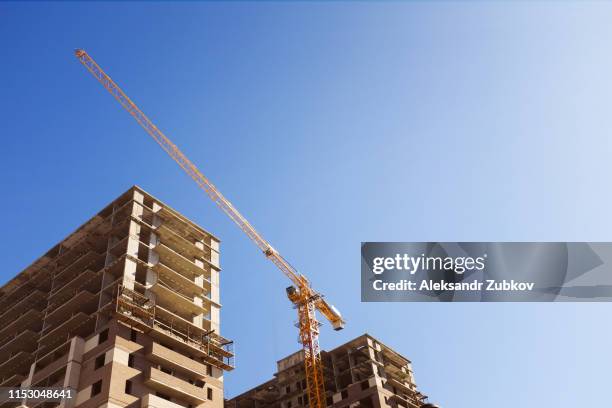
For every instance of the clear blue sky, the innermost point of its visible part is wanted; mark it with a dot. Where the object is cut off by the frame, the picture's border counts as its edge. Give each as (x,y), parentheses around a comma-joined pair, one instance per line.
(328,125)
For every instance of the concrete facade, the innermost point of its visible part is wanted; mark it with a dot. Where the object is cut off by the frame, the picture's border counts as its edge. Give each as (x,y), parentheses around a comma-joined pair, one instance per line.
(363,373)
(124,311)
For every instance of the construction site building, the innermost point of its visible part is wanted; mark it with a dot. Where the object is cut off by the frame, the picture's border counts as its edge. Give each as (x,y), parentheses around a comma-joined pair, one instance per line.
(124,311)
(363,373)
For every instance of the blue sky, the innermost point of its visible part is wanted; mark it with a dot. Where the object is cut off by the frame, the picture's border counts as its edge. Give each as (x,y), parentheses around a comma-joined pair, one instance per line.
(328,125)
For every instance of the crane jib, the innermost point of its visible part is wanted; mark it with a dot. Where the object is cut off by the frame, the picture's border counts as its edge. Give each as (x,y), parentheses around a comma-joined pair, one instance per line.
(306,299)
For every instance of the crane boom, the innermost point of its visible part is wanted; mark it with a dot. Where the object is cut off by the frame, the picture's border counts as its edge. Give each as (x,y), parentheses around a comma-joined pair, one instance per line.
(301,293)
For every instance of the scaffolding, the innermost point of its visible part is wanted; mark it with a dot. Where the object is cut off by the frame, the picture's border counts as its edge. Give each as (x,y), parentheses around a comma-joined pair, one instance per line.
(137,310)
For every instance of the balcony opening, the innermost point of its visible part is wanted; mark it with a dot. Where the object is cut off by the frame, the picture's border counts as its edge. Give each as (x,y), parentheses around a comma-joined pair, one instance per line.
(99,362)
(128,387)
(96,388)
(103,336)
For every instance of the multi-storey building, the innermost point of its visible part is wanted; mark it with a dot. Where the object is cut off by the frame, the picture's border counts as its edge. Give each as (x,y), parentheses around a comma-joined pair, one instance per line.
(124,311)
(363,373)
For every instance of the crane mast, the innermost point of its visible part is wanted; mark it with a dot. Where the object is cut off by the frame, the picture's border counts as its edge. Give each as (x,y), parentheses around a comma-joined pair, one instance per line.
(301,293)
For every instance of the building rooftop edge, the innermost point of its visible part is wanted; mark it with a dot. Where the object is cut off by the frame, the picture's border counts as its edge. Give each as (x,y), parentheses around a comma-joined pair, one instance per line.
(43,259)
(175,212)
(345,344)
(366,334)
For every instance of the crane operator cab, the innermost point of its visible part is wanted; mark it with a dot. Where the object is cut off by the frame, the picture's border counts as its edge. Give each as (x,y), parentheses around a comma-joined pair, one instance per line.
(338,324)
(329,311)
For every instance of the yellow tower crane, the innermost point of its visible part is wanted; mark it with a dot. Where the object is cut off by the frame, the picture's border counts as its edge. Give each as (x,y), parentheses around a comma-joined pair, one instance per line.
(301,294)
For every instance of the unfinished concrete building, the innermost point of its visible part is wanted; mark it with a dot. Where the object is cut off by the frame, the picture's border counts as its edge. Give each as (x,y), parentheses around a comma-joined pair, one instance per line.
(125,311)
(363,373)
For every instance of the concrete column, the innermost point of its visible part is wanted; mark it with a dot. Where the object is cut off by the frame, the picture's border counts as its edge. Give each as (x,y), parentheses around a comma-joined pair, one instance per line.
(199,280)
(73,370)
(28,382)
(133,238)
(215,321)
(153,256)
(110,258)
(334,369)
(198,320)
(200,245)
(351,365)
(215,297)
(152,259)
(214,256)
(214,286)
(156,222)
(129,273)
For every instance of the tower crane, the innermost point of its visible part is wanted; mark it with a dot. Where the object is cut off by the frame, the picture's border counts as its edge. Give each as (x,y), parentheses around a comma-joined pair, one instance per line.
(306,300)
